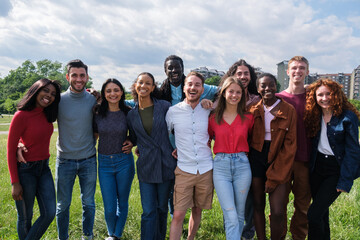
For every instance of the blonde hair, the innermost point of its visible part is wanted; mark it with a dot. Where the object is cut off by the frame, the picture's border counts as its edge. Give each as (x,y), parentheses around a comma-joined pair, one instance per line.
(299,59)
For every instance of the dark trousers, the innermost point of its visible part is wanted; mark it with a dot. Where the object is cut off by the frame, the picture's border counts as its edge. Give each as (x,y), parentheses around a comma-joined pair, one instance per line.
(37,182)
(323,181)
(299,184)
(249,228)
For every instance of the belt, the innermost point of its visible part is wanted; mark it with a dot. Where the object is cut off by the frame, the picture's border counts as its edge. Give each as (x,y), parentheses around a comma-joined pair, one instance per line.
(326,156)
(81,159)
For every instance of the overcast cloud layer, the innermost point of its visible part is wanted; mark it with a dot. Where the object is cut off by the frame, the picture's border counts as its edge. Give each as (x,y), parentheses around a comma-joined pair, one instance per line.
(121,38)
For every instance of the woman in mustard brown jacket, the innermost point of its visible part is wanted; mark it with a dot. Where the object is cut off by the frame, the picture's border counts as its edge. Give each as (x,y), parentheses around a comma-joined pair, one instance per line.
(272,152)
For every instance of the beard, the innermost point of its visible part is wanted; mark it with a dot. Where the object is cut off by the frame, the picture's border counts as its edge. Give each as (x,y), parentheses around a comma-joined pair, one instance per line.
(192,99)
(74,88)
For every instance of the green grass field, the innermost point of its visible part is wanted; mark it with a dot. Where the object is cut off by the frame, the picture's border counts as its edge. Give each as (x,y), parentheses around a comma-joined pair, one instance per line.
(344,213)
(5,118)
(4,122)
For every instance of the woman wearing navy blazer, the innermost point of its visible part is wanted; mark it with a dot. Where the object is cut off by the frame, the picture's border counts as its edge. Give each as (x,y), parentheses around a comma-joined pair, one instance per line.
(155,164)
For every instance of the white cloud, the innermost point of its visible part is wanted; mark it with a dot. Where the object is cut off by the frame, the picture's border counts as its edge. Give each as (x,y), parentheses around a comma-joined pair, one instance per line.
(355,21)
(11,63)
(123,38)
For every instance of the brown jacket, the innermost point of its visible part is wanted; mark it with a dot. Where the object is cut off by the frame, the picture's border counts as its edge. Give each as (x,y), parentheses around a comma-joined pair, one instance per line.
(283,141)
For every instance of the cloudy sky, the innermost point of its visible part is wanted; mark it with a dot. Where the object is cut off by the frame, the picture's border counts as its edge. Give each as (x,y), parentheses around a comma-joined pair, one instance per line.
(121,38)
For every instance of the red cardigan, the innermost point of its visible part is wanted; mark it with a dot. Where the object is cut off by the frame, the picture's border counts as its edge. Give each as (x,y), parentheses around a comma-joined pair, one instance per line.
(231,138)
(35,132)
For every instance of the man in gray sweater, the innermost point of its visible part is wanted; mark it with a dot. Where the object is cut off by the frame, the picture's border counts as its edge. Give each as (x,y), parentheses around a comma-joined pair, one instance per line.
(76,154)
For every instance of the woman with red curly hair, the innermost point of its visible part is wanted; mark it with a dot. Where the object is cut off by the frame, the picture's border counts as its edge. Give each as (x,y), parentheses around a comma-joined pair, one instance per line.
(332,123)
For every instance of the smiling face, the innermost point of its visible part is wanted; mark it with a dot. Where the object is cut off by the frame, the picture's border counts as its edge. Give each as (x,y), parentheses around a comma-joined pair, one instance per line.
(77,78)
(193,89)
(297,71)
(233,94)
(46,96)
(267,88)
(174,71)
(243,74)
(144,86)
(113,93)
(323,97)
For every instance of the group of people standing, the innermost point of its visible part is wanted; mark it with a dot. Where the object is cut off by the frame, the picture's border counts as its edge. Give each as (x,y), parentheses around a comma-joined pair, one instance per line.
(303,140)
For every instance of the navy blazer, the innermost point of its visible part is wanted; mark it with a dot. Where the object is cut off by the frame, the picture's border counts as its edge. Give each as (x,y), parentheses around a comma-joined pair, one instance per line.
(155,163)
(343,136)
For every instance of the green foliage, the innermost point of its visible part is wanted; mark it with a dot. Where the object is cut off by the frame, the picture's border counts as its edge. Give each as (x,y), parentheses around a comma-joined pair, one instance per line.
(15,84)
(89,84)
(356,103)
(9,105)
(215,80)
(128,96)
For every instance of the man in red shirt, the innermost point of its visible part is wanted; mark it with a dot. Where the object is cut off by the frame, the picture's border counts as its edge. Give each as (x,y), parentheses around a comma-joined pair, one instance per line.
(295,94)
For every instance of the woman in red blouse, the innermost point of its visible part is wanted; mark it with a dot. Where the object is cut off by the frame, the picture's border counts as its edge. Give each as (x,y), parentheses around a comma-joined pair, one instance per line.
(32,125)
(230,126)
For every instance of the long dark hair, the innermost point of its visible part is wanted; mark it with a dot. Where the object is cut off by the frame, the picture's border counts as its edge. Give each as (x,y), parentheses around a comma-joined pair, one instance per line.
(153,94)
(28,102)
(102,108)
(220,108)
(232,70)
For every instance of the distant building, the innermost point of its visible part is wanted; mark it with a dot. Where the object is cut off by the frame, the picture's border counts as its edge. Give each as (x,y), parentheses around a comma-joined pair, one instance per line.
(258,71)
(282,76)
(208,73)
(343,78)
(354,84)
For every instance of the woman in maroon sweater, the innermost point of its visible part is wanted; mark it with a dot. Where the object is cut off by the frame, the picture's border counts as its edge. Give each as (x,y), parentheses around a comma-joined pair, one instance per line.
(32,125)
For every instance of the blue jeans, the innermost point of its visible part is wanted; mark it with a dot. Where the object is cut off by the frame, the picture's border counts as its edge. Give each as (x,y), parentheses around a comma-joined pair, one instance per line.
(116,173)
(232,180)
(36,181)
(66,172)
(154,201)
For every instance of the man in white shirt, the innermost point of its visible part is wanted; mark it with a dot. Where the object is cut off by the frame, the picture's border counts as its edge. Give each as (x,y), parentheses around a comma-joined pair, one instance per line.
(193,174)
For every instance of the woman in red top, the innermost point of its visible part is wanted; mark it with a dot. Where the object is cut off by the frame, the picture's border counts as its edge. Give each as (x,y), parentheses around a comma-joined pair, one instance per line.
(230,126)
(32,125)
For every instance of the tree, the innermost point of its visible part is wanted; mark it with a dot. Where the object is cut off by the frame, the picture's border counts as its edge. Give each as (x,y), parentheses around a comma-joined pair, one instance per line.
(128,95)
(215,80)
(9,105)
(16,83)
(356,103)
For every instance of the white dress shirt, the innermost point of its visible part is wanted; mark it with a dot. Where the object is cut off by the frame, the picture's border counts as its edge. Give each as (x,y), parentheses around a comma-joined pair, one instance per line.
(191,137)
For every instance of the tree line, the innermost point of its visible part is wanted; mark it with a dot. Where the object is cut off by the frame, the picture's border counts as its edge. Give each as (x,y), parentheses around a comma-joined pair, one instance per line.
(17,82)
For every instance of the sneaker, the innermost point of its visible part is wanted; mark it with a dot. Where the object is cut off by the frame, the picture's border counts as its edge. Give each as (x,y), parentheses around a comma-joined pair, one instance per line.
(87,237)
(112,238)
